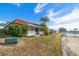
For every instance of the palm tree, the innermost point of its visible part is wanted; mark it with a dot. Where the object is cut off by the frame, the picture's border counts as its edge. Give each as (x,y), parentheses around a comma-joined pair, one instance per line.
(44,20)
(43,24)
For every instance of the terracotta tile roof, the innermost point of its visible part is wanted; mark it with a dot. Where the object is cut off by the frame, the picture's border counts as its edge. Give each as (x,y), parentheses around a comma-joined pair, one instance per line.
(25,22)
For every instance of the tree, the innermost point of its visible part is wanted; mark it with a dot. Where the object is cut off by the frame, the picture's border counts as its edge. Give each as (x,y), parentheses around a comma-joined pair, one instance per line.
(62,29)
(17,30)
(75,30)
(44,20)
(2,32)
(45,29)
(43,24)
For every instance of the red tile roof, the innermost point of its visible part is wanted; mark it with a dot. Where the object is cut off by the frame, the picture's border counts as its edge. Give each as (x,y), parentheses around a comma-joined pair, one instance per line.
(25,22)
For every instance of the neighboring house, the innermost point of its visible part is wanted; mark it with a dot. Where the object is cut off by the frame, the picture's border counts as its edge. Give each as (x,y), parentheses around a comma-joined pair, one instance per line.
(32,29)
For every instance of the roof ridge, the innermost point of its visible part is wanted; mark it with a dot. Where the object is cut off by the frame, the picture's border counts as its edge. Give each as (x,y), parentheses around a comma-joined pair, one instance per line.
(25,21)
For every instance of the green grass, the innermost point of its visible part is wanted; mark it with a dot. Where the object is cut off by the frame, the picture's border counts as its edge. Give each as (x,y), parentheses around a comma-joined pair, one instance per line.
(35,46)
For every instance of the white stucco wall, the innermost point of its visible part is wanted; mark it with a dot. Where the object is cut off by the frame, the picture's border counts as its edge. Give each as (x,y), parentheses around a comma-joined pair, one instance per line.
(41,32)
(31,33)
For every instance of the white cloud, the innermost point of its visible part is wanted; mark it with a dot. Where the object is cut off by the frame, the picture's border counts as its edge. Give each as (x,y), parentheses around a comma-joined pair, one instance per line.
(39,7)
(17,4)
(71,26)
(67,26)
(73,16)
(2,21)
(51,14)
(1,27)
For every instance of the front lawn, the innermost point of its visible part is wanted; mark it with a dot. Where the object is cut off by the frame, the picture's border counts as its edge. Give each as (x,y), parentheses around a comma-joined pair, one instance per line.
(41,46)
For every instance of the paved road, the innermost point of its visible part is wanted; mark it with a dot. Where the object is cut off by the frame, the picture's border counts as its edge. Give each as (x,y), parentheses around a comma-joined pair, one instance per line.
(70,46)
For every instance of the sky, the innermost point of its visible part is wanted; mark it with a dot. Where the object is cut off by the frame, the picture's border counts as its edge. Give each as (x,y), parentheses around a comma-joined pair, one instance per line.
(60,14)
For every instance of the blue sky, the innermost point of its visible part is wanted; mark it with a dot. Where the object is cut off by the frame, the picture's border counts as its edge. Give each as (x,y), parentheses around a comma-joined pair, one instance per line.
(59,14)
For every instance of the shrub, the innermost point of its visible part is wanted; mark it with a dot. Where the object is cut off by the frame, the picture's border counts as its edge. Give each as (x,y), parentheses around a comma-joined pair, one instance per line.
(45,28)
(2,32)
(17,30)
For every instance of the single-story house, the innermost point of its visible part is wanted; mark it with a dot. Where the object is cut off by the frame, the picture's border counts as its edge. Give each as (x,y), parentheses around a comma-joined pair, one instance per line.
(32,30)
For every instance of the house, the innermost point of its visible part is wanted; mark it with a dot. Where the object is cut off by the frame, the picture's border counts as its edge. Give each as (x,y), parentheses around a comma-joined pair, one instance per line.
(33,30)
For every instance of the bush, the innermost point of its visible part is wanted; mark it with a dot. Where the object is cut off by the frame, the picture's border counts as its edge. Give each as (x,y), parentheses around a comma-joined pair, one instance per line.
(17,30)
(45,28)
(2,32)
